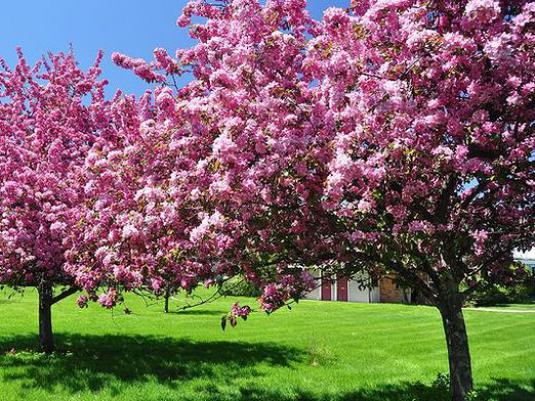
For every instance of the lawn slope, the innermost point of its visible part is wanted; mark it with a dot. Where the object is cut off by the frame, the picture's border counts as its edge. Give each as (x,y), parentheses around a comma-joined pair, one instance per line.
(318,351)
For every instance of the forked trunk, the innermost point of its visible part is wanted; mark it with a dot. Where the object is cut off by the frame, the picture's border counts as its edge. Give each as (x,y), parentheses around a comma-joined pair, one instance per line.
(46,337)
(461,382)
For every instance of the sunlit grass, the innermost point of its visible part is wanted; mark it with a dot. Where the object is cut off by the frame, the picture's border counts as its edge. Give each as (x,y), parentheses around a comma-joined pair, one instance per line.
(318,351)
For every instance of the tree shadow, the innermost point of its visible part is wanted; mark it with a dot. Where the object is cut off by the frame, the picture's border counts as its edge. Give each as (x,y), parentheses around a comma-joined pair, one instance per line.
(86,362)
(93,363)
(499,390)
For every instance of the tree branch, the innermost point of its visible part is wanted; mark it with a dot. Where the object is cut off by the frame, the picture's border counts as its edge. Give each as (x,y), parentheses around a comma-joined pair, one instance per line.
(445,198)
(415,280)
(64,294)
(214,297)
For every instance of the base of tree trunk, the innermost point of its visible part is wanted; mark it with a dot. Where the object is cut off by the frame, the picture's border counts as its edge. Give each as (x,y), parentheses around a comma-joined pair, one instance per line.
(461,383)
(46,337)
(167,295)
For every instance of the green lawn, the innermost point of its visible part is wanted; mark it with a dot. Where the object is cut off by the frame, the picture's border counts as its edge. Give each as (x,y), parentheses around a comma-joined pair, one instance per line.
(318,351)
(529,306)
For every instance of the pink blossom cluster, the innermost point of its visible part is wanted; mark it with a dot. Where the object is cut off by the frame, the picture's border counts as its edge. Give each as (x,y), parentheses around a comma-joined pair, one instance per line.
(51,115)
(108,299)
(287,287)
(236,312)
(141,68)
(240,311)
(396,135)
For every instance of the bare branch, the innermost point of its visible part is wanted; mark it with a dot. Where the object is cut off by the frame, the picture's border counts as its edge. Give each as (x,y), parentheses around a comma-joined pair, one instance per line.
(64,294)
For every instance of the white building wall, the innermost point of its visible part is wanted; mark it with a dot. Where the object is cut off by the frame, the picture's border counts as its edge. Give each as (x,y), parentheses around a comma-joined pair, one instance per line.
(375,295)
(355,294)
(334,289)
(315,293)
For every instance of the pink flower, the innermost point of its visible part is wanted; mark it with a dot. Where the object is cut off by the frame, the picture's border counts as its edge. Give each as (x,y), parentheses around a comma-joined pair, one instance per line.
(109,299)
(156,284)
(240,311)
(336,20)
(365,205)
(58,228)
(224,148)
(482,10)
(164,61)
(82,301)
(130,232)
(183,21)
(166,102)
(480,238)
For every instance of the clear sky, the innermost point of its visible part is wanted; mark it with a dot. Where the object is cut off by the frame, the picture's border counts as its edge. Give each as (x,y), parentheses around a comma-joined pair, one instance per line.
(133,27)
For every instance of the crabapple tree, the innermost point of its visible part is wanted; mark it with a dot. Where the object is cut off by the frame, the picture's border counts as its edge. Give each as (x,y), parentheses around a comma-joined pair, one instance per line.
(390,137)
(433,169)
(51,114)
(258,155)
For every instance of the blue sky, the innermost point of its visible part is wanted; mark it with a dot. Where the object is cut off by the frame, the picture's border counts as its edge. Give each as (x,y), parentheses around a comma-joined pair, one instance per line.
(133,27)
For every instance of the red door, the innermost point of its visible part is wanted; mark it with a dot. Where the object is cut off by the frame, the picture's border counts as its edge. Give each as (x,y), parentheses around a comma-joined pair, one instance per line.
(325,290)
(341,289)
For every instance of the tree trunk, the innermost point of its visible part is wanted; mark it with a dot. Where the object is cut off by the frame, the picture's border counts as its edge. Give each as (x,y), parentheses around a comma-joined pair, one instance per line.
(46,338)
(167,295)
(461,382)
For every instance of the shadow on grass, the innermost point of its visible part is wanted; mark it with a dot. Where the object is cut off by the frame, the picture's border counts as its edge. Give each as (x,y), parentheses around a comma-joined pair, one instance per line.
(228,371)
(85,362)
(499,390)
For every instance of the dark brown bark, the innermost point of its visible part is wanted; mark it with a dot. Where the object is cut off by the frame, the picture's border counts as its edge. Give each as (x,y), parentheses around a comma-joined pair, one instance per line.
(461,382)
(46,338)
(65,294)
(167,295)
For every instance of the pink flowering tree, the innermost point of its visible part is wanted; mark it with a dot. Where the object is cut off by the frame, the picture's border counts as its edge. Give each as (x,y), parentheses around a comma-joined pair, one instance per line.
(148,222)
(50,116)
(179,203)
(135,221)
(391,137)
(433,165)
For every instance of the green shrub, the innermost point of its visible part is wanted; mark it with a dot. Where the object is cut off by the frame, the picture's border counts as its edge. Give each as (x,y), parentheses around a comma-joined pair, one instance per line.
(238,287)
(495,295)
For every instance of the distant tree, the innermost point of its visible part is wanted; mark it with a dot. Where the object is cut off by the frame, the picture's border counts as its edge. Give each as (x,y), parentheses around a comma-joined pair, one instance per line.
(392,137)
(51,114)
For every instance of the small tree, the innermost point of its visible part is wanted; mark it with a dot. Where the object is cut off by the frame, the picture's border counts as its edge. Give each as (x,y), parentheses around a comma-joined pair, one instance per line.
(50,116)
